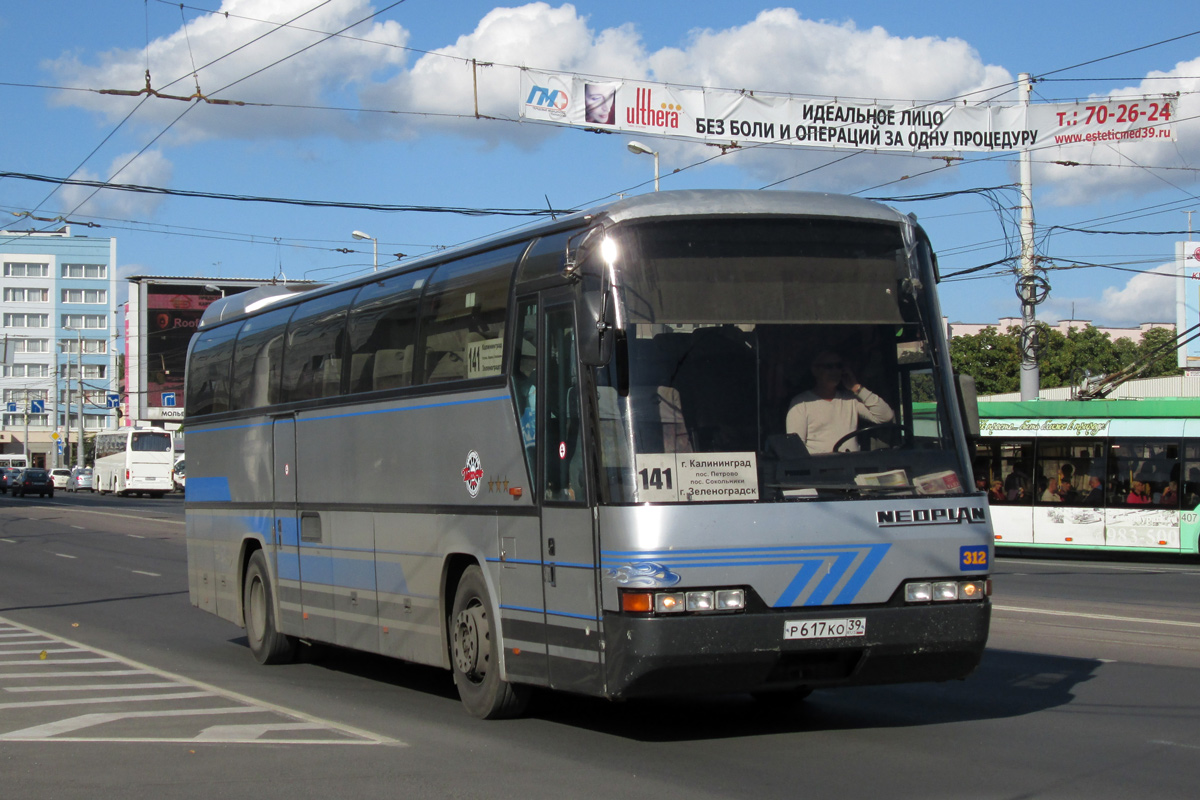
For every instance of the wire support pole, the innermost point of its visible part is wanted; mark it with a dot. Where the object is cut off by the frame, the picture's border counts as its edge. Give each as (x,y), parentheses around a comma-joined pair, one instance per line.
(1030,376)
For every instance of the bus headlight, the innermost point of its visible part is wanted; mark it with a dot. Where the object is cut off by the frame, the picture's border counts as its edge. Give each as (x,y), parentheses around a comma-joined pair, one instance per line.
(695,601)
(946,591)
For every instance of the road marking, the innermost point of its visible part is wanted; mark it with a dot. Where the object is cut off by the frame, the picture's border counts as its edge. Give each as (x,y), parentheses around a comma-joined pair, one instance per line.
(9,541)
(1082,565)
(260,732)
(1106,617)
(79,527)
(143,572)
(130,698)
(89,687)
(64,555)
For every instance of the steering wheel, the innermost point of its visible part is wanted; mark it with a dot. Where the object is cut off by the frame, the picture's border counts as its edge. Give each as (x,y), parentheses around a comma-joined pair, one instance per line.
(876,427)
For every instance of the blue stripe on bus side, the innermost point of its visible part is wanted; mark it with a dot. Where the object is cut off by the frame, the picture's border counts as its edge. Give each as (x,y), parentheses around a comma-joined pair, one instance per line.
(390,410)
(209,490)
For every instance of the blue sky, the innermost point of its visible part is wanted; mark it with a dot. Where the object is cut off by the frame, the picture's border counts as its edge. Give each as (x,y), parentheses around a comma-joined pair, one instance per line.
(384,119)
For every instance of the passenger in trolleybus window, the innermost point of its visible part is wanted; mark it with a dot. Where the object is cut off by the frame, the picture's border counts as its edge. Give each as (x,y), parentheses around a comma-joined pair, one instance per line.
(829,412)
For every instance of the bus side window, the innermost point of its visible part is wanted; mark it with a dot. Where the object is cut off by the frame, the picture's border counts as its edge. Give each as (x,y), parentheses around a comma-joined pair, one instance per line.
(316,345)
(209,371)
(462,317)
(383,331)
(258,360)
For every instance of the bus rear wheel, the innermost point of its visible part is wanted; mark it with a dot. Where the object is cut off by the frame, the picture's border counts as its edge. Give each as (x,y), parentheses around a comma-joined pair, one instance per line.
(475,653)
(268,645)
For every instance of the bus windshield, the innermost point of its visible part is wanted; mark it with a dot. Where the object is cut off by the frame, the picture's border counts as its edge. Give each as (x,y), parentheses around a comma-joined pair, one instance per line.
(771,360)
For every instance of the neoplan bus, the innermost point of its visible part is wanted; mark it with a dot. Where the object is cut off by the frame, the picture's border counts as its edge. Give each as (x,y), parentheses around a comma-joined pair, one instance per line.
(131,461)
(559,459)
(1118,475)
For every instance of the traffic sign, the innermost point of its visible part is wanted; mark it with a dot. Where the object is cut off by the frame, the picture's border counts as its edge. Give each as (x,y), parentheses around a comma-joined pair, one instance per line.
(37,406)
(12,408)
(168,399)
(112,400)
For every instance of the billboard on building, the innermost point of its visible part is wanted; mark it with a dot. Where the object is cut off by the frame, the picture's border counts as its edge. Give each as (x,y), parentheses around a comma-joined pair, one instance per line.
(160,319)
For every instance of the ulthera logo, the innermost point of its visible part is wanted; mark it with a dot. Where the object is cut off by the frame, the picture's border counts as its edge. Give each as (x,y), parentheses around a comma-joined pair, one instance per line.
(542,97)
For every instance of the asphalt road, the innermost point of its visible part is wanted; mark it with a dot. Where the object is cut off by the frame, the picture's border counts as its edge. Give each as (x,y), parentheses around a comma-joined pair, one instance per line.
(112,685)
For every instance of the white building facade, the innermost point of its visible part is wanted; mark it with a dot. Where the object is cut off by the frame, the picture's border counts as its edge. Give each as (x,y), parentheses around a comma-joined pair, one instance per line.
(58,329)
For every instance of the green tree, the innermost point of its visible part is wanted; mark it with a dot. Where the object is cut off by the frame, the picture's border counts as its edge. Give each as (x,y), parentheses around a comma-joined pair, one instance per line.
(993,359)
(1166,362)
(1065,360)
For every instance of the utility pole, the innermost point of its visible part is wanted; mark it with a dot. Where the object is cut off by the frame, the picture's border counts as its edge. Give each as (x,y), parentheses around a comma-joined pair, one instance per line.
(1030,377)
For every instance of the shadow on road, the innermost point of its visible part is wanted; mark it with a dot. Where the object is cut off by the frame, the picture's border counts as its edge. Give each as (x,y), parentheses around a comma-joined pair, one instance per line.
(1006,684)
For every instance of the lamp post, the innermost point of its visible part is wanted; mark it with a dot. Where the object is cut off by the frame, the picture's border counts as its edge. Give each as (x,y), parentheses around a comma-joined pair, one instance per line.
(79,363)
(641,150)
(374,243)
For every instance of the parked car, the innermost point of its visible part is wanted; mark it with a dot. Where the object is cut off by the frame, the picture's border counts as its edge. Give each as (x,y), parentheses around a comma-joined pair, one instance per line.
(33,480)
(81,479)
(61,477)
(178,475)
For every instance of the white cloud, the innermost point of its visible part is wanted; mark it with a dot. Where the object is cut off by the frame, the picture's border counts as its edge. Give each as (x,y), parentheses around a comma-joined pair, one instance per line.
(212,41)
(151,168)
(1147,297)
(777,51)
(1134,162)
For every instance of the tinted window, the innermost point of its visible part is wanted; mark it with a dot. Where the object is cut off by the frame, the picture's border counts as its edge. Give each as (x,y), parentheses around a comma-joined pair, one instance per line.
(150,442)
(316,345)
(383,332)
(462,317)
(258,360)
(548,255)
(208,371)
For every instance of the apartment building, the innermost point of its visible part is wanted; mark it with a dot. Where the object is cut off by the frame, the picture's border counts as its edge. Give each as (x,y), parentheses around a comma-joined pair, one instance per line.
(58,328)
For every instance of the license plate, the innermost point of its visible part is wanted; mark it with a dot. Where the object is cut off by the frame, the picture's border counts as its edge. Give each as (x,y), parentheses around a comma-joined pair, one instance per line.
(825,628)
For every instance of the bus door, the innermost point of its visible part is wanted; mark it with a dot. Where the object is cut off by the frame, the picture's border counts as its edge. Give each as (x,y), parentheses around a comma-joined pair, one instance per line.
(285,555)
(569,550)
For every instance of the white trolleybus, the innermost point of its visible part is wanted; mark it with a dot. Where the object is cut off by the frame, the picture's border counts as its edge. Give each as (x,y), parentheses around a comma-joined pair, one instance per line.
(562,458)
(132,461)
(1118,475)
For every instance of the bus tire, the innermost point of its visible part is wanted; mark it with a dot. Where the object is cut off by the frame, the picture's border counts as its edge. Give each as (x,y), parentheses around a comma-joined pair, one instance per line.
(268,645)
(475,653)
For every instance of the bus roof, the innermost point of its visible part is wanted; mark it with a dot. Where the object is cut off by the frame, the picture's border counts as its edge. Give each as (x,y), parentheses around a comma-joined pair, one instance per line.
(653,205)
(1158,408)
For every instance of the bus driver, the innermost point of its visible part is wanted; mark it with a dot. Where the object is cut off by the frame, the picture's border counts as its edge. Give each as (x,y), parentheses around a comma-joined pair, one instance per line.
(832,408)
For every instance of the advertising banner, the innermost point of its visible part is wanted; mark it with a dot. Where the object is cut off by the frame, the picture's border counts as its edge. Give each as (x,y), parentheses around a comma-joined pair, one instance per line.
(722,117)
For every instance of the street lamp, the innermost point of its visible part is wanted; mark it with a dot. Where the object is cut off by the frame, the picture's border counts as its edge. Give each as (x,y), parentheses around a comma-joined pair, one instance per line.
(641,150)
(374,242)
(79,364)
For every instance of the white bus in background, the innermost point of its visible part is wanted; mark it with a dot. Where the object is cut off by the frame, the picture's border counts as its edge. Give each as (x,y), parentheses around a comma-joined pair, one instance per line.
(134,461)
(13,460)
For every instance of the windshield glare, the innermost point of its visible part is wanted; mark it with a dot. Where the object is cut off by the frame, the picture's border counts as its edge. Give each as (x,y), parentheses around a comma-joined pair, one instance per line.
(748,407)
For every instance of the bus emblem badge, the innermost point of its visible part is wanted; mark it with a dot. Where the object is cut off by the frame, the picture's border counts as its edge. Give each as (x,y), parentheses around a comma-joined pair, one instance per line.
(472,473)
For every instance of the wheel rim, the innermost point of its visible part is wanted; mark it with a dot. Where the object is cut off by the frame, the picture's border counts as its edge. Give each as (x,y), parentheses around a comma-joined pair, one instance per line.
(256,616)
(471,642)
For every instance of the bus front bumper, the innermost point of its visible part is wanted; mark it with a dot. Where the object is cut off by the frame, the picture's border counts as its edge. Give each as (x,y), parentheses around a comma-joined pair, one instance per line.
(747,652)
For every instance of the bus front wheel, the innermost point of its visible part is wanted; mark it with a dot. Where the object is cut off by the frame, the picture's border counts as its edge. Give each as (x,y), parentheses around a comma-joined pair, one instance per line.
(475,653)
(268,645)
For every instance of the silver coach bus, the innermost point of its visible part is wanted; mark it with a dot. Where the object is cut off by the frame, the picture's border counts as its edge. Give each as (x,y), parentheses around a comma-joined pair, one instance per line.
(565,458)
